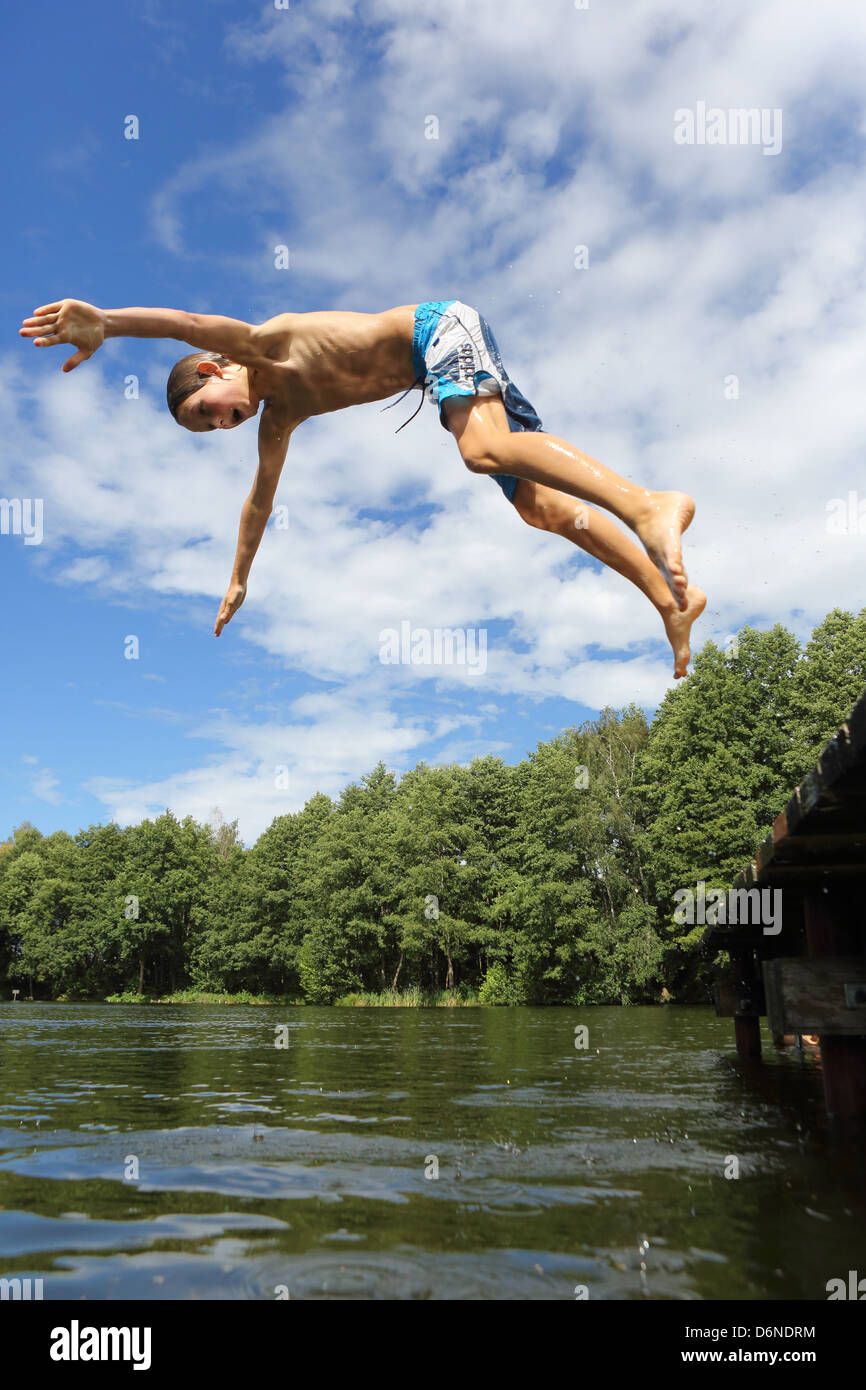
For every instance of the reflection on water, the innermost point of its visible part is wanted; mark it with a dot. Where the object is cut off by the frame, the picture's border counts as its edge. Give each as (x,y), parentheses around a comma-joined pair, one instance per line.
(173,1152)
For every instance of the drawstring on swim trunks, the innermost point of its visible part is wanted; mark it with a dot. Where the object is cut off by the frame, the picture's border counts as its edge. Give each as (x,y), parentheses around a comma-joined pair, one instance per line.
(419,381)
(422,376)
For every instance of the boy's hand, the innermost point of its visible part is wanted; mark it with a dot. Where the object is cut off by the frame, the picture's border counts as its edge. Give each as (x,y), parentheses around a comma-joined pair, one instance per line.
(67,321)
(230,605)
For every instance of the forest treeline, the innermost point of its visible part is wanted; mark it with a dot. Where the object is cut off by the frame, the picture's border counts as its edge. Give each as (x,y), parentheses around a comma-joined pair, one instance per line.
(550,881)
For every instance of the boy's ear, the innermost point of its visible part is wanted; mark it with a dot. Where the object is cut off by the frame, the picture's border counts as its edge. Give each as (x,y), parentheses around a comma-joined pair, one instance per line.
(209,368)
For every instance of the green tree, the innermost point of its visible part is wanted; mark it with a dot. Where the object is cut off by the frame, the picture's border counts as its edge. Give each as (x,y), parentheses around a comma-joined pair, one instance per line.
(827,683)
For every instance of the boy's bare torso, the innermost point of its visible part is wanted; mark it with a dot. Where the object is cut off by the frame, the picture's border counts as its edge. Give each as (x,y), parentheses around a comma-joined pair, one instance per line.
(319,362)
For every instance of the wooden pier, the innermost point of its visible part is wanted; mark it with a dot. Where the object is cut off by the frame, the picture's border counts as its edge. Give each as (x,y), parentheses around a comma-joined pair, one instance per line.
(806,970)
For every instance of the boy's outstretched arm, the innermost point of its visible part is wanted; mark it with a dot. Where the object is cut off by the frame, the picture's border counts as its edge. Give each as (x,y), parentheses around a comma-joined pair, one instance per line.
(86,327)
(273,445)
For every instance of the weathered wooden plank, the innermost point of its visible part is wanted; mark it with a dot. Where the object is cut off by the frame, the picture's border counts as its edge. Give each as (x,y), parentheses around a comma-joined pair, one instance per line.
(823,842)
(832,828)
(812,870)
(817,873)
(806,994)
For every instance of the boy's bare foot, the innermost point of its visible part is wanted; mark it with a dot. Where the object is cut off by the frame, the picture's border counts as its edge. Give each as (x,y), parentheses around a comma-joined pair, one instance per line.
(678,625)
(660,528)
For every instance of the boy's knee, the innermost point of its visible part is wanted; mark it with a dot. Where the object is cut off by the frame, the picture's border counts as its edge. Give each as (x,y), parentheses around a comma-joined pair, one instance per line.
(539,517)
(479,462)
(483,454)
(542,508)
(534,517)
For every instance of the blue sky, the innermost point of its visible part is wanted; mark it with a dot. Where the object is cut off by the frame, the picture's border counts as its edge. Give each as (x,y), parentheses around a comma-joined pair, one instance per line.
(308,127)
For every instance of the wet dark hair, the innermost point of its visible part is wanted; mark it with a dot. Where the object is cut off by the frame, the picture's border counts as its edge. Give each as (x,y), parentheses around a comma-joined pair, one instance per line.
(185,379)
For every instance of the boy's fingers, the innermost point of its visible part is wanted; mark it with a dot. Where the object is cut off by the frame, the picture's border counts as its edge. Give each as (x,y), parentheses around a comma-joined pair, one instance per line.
(75,361)
(48,308)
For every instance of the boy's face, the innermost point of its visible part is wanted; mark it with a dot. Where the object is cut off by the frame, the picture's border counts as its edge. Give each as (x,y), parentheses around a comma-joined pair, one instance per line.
(224,400)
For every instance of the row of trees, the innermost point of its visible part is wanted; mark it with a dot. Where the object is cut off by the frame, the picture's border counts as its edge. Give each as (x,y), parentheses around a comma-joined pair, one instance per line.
(544,882)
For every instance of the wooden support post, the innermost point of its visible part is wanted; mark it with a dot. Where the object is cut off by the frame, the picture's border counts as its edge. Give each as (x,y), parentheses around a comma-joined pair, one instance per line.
(843,1061)
(831,931)
(747,1026)
(747,1035)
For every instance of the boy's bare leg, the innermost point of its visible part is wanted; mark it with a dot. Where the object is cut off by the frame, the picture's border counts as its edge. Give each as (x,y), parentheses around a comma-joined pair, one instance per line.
(480,426)
(554,511)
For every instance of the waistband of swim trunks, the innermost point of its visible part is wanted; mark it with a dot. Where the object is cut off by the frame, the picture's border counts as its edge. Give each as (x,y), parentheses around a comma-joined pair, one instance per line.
(427,316)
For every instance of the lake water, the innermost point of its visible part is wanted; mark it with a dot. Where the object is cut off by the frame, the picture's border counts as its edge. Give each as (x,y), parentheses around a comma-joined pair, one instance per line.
(176,1152)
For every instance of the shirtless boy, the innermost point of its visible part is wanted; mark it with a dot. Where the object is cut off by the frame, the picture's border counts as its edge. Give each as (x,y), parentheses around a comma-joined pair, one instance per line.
(300,365)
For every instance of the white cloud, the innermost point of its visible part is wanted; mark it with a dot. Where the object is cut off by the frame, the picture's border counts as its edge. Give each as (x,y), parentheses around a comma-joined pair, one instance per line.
(267,768)
(45,786)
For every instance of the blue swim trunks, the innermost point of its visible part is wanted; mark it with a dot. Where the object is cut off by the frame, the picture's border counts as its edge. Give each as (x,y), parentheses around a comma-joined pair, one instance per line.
(455,353)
